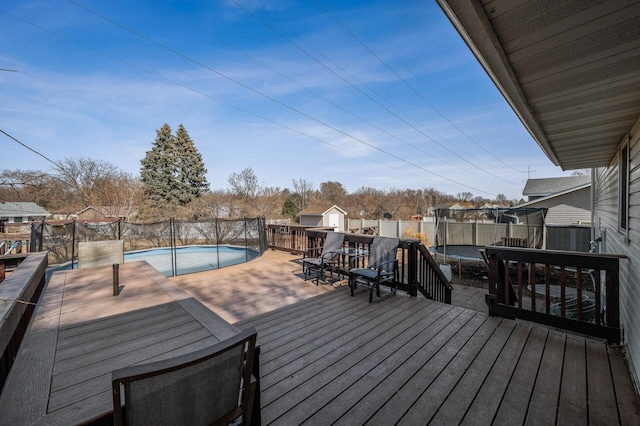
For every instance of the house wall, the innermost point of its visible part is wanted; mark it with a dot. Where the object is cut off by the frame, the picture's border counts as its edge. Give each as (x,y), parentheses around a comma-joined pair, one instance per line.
(568,209)
(310,220)
(606,226)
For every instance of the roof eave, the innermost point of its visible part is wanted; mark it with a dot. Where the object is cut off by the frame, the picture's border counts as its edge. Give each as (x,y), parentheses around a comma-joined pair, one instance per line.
(470,21)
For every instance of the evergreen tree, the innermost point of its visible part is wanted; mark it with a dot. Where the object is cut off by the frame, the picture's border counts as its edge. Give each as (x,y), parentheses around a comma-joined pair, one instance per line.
(173,170)
(191,170)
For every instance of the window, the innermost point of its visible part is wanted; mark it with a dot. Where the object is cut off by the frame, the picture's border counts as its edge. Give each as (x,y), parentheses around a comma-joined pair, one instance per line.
(623,190)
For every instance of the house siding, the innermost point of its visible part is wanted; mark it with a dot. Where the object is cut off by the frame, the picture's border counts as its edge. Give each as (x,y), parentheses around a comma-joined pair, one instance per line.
(569,209)
(606,225)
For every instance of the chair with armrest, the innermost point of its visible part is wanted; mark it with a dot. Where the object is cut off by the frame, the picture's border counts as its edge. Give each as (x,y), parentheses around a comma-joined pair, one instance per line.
(213,385)
(380,269)
(330,253)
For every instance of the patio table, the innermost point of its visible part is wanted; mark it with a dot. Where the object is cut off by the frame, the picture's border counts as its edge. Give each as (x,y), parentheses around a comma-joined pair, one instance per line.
(80,332)
(347,255)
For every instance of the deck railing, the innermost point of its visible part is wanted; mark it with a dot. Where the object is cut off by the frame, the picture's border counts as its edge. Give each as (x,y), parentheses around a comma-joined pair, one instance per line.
(569,290)
(417,270)
(19,294)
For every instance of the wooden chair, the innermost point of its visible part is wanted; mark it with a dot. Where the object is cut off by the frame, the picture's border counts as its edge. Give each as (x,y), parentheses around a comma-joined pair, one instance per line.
(213,385)
(330,254)
(381,268)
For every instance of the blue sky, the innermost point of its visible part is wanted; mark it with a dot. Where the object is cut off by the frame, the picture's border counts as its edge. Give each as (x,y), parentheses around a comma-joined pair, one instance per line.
(367,93)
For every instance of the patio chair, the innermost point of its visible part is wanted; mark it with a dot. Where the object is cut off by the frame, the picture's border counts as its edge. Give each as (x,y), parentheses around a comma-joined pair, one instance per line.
(213,385)
(381,268)
(330,254)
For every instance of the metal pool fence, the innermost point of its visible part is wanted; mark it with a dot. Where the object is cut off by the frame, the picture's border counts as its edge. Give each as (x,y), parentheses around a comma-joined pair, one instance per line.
(61,238)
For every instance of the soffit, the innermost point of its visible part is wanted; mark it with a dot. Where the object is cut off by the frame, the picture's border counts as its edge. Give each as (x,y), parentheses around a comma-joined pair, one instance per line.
(569,69)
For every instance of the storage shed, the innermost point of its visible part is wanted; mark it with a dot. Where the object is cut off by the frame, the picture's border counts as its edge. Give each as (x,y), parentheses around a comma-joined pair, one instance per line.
(323,216)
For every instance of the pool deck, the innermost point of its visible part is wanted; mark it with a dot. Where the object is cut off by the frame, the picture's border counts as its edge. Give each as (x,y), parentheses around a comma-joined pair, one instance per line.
(242,291)
(273,281)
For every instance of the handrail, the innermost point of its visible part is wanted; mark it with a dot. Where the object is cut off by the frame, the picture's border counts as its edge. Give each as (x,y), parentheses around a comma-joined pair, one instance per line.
(21,290)
(570,290)
(432,282)
(417,270)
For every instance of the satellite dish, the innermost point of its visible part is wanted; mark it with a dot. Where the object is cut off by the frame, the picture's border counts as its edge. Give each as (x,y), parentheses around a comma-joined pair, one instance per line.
(387,216)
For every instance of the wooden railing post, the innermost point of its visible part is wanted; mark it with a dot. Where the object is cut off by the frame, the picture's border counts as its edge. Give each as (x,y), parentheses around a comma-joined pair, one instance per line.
(412,266)
(613,298)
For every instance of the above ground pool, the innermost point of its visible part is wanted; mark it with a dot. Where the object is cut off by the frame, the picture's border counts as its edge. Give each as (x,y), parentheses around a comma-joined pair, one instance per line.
(188,259)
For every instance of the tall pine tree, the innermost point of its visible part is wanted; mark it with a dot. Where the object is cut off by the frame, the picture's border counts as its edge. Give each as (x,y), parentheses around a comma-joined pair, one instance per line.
(173,170)
(190,167)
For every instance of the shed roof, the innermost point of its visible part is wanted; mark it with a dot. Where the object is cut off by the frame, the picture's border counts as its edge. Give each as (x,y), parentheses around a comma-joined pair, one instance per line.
(548,186)
(320,209)
(17,209)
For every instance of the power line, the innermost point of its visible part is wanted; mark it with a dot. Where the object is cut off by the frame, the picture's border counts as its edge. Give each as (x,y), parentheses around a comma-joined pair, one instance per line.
(29,148)
(222,101)
(314,93)
(287,39)
(260,93)
(419,95)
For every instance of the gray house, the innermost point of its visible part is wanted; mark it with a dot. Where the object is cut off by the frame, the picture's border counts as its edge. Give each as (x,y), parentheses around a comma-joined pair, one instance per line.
(568,199)
(21,212)
(571,73)
(539,188)
(323,216)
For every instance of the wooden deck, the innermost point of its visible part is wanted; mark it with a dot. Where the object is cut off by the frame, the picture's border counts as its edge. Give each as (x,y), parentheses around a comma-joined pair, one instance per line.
(80,333)
(336,359)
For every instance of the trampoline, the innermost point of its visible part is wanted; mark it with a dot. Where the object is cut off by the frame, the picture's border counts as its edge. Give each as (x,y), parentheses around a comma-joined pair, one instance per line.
(461,233)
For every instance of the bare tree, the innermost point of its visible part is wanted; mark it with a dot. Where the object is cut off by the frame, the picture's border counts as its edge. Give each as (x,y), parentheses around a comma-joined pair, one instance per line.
(244,184)
(303,191)
(332,192)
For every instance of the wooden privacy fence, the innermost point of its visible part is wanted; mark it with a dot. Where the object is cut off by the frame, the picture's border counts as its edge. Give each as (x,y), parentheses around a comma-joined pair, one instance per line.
(569,290)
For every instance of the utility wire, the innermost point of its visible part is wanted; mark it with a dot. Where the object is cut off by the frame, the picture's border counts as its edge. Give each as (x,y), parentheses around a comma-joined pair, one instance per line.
(418,94)
(287,39)
(262,94)
(313,92)
(29,148)
(222,101)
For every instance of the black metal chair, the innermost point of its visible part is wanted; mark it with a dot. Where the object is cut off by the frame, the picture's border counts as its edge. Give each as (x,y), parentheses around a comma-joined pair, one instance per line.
(213,385)
(381,268)
(330,254)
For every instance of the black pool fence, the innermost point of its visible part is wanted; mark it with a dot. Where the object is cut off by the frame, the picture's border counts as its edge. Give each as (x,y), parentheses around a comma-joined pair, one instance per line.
(61,238)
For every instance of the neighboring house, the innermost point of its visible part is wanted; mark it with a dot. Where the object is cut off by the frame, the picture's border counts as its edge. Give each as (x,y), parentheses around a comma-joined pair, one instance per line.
(572,76)
(105,212)
(323,216)
(21,212)
(570,206)
(535,189)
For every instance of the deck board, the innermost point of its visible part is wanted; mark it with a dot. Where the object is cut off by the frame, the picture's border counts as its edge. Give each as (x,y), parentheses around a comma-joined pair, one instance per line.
(450,411)
(601,393)
(336,359)
(513,409)
(544,397)
(572,408)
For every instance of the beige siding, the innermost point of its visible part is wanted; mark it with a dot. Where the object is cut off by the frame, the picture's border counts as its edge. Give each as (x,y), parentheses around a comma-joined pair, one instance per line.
(606,221)
(568,209)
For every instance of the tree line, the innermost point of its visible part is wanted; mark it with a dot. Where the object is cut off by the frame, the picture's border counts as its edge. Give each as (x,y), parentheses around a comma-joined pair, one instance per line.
(172,183)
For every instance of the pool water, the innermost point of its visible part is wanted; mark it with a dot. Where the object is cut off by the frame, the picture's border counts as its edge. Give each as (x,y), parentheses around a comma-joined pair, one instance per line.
(189,259)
